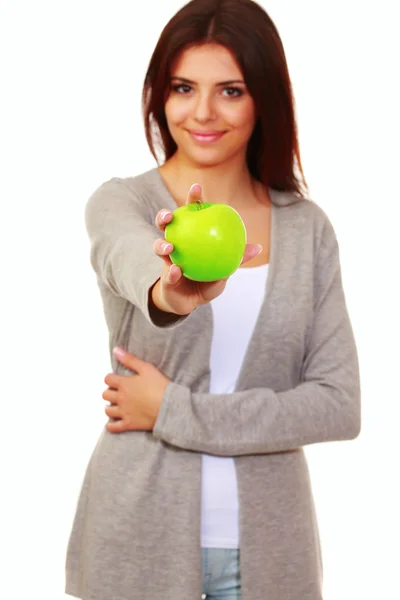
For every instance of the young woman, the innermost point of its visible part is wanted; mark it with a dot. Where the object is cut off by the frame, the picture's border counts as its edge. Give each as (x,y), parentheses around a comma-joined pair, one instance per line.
(199,482)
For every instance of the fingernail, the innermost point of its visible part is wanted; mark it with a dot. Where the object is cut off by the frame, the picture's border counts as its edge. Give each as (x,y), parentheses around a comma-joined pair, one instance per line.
(119,352)
(260,249)
(196,187)
(166,247)
(164,214)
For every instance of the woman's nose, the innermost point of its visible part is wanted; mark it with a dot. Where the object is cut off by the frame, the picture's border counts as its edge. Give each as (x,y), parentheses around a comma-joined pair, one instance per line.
(204,109)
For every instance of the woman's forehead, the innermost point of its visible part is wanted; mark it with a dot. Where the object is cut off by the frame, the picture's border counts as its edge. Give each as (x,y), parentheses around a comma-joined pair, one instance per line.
(209,60)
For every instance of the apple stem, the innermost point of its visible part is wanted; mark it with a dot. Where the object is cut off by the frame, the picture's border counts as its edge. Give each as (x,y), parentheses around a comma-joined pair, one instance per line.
(199,204)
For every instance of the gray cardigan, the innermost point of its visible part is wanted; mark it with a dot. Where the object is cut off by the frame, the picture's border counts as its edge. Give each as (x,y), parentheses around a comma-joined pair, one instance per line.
(136,532)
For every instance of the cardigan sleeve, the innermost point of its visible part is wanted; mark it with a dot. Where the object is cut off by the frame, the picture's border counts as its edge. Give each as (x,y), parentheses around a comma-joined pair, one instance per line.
(121,234)
(324,407)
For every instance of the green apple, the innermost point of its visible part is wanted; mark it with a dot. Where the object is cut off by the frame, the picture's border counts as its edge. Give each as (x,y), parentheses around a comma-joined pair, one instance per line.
(209,240)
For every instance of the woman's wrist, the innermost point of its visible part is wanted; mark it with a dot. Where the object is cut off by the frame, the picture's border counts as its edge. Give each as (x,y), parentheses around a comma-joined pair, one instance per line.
(159,313)
(156,299)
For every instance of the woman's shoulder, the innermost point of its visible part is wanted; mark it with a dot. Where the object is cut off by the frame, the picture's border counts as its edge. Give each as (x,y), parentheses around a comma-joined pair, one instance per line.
(303,214)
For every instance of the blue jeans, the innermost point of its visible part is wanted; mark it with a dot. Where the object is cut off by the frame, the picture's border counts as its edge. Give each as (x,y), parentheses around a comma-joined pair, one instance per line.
(221,574)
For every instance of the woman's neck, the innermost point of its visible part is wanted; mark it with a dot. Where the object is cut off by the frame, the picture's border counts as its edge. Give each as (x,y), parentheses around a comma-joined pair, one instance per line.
(220,183)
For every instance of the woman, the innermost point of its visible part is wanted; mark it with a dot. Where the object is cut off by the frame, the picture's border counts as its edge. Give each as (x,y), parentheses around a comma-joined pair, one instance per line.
(199,483)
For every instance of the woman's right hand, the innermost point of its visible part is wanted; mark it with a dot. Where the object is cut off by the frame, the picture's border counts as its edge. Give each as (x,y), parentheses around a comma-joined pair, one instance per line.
(175,293)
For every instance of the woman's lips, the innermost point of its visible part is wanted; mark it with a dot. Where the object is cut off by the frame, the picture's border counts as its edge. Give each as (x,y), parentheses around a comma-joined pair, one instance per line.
(206,138)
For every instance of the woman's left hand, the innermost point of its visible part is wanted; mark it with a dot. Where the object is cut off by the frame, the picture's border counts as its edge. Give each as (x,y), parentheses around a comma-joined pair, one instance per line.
(135,399)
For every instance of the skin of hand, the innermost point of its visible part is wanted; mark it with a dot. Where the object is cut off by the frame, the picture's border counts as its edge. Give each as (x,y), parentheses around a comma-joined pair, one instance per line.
(135,399)
(173,292)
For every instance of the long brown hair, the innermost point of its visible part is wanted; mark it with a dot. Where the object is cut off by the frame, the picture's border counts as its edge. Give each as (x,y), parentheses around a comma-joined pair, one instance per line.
(244,28)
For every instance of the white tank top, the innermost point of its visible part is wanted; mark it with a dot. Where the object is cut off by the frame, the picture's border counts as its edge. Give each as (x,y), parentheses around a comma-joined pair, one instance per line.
(235,313)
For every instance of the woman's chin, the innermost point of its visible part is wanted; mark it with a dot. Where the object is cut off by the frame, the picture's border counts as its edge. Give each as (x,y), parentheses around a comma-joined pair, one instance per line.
(206,158)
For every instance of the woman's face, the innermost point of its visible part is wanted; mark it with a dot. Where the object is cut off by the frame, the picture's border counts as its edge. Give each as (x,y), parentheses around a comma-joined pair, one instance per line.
(210,113)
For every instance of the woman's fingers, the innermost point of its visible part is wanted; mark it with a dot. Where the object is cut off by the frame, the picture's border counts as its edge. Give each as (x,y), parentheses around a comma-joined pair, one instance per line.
(195,194)
(173,276)
(250,252)
(110,395)
(163,249)
(163,217)
(114,412)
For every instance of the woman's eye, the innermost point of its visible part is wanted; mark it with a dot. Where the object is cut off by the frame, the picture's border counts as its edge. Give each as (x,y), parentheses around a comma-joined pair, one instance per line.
(182,88)
(233,92)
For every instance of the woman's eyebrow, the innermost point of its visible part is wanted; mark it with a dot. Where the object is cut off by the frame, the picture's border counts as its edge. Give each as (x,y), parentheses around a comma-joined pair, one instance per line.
(190,82)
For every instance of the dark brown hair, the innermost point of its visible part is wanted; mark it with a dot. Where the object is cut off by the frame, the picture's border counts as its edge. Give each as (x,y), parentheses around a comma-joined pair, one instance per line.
(244,28)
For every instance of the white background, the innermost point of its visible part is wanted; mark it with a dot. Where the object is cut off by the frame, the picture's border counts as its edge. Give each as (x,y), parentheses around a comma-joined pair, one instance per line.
(71,78)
